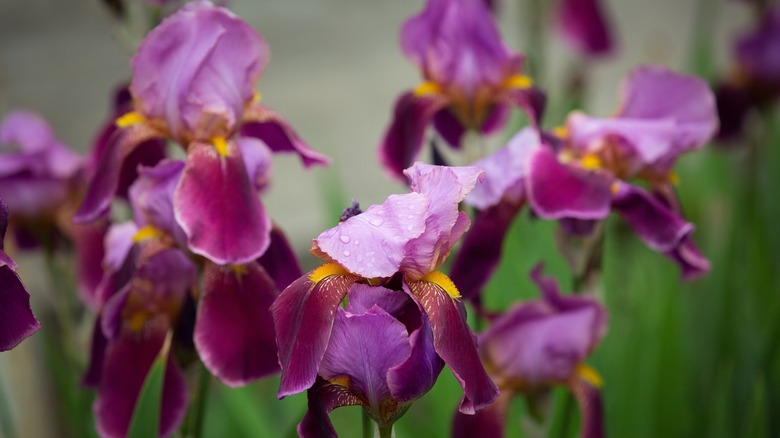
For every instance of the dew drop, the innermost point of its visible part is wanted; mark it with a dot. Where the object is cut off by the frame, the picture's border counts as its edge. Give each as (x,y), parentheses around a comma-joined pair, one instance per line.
(346,253)
(357,242)
(344,238)
(410,227)
(376,222)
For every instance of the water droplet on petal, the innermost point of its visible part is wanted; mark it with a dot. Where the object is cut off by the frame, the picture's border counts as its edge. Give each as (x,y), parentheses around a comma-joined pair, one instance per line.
(344,238)
(410,227)
(376,222)
(357,242)
(346,253)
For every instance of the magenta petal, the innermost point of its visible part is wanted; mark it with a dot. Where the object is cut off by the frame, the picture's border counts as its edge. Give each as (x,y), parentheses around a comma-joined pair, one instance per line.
(303,318)
(105,181)
(496,119)
(531,100)
(274,131)
(403,139)
(323,398)
(151,197)
(118,242)
(454,342)
(97,354)
(218,209)
(279,260)
(656,224)
(127,363)
(449,127)
(584,25)
(692,263)
(591,408)
(489,422)
(257,158)
(413,377)
(556,190)
(481,250)
(373,243)
(234,332)
(17,321)
(88,244)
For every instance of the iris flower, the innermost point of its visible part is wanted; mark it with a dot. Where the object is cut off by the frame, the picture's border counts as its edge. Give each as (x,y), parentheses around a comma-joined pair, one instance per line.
(584,26)
(471,79)
(535,346)
(398,245)
(193,82)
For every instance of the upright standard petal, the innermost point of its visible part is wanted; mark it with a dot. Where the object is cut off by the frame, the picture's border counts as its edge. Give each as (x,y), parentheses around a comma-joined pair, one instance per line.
(556,190)
(455,343)
(583,24)
(197,70)
(404,138)
(17,321)
(217,207)
(234,331)
(303,318)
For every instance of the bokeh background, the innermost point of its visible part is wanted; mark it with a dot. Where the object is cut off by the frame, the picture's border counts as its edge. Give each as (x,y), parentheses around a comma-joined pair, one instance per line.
(697,359)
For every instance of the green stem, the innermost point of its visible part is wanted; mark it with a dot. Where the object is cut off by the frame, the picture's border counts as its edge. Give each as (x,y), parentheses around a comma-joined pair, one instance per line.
(566,416)
(6,416)
(386,431)
(193,427)
(368,425)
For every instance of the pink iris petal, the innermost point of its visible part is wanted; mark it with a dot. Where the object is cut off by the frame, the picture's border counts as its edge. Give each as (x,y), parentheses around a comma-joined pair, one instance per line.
(217,207)
(556,190)
(373,243)
(197,70)
(404,138)
(151,197)
(234,332)
(257,158)
(127,363)
(584,25)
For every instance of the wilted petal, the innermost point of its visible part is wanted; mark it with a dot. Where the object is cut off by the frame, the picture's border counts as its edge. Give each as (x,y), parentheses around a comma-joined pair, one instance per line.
(218,208)
(127,363)
(584,26)
(303,318)
(279,260)
(403,139)
(234,332)
(455,343)
(373,243)
(197,70)
(489,422)
(480,253)
(323,398)
(413,377)
(556,190)
(17,321)
(274,131)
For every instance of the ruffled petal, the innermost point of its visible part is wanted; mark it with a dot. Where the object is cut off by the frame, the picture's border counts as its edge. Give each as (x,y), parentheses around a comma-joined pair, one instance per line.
(403,139)
(323,398)
(234,332)
(17,321)
(217,207)
(303,318)
(274,131)
(455,343)
(556,190)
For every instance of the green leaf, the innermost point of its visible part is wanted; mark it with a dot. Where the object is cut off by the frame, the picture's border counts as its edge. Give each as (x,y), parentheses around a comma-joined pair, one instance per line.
(146,415)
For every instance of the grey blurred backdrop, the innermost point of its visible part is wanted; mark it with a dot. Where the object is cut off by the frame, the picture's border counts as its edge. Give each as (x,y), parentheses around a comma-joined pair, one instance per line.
(335,71)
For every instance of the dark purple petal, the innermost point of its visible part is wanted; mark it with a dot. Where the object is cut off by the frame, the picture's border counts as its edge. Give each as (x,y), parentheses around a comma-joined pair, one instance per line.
(234,332)
(3,225)
(413,377)
(97,354)
(17,321)
(584,26)
(279,260)
(403,139)
(105,181)
(373,243)
(217,207)
(197,70)
(692,263)
(591,408)
(496,119)
(111,316)
(362,348)
(656,224)
(274,131)
(556,190)
(757,51)
(323,398)
(127,363)
(531,100)
(303,318)
(449,127)
(734,104)
(489,422)
(88,243)
(454,342)
(481,250)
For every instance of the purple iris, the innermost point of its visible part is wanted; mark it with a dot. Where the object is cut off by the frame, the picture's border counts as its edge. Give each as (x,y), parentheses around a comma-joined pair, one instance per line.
(380,355)
(584,26)
(536,345)
(397,245)
(193,82)
(471,78)
(578,176)
(150,284)
(17,321)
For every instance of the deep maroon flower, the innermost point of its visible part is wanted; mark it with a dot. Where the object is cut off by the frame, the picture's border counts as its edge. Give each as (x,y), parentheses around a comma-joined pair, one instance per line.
(537,345)
(398,245)
(758,52)
(380,355)
(584,26)
(471,79)
(193,82)
(17,321)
